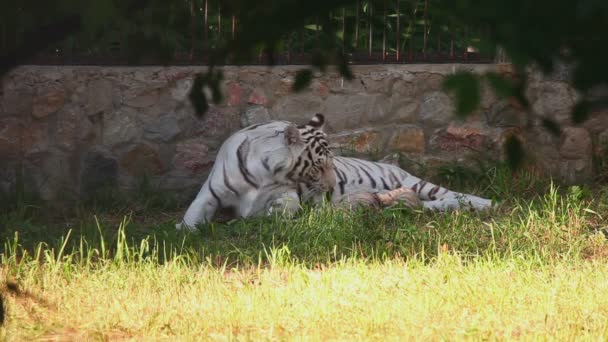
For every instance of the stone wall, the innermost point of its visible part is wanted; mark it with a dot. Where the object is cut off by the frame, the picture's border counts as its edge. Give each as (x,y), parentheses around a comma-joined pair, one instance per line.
(72,130)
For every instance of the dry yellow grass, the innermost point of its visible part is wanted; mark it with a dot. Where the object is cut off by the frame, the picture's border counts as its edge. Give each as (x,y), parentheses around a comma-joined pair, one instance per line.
(350,300)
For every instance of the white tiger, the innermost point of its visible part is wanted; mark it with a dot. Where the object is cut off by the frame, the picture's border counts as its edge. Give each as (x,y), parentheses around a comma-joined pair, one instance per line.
(365,182)
(257,170)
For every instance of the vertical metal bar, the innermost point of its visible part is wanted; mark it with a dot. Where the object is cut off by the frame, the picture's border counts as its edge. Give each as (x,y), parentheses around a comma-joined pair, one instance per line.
(384,34)
(426,23)
(343,30)
(206,22)
(219,22)
(411,29)
(438,42)
(192,29)
(369,24)
(452,47)
(466,45)
(398,47)
(289,48)
(357,24)
(317,31)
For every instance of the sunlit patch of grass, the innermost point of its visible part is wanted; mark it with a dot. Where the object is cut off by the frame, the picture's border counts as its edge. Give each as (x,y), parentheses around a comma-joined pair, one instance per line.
(531,268)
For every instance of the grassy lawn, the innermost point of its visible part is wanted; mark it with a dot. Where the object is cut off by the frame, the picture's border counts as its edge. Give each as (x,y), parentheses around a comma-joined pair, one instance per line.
(535,267)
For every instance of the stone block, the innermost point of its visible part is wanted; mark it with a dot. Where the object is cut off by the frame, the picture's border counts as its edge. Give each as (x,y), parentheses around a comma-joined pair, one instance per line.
(299,108)
(18,138)
(193,157)
(554,100)
(121,127)
(409,139)
(576,143)
(360,141)
(16,101)
(347,111)
(460,138)
(48,102)
(254,115)
(181,89)
(436,108)
(164,128)
(504,113)
(142,159)
(146,98)
(99,97)
(257,97)
(233,94)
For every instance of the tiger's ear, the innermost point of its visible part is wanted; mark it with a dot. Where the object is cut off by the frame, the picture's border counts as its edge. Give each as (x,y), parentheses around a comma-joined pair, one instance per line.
(292,136)
(317,121)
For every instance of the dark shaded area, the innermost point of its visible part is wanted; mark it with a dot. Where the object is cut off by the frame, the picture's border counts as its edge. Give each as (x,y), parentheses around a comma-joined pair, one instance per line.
(548,34)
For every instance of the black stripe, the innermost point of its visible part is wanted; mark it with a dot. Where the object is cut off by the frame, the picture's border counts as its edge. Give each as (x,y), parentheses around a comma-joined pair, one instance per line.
(352,167)
(422,185)
(241,154)
(219,202)
(386,187)
(265,164)
(299,190)
(363,164)
(371,180)
(227,182)
(305,168)
(433,192)
(394,179)
(341,181)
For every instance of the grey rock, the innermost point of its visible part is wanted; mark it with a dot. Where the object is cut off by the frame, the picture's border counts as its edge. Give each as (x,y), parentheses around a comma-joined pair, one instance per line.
(297,108)
(576,143)
(121,127)
(436,108)
(164,128)
(254,115)
(99,95)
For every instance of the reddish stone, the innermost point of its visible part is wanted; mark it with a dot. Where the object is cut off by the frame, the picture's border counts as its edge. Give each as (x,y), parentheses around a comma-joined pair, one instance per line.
(234,94)
(18,139)
(460,138)
(142,159)
(322,90)
(48,103)
(257,97)
(192,155)
(410,139)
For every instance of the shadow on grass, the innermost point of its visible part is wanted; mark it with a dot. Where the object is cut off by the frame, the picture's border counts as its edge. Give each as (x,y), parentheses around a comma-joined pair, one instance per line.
(533,220)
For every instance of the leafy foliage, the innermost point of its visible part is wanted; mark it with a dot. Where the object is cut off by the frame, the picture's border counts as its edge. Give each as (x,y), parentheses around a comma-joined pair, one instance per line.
(543,33)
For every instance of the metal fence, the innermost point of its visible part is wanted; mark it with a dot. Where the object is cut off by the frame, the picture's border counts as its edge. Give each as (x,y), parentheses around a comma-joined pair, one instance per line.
(396,31)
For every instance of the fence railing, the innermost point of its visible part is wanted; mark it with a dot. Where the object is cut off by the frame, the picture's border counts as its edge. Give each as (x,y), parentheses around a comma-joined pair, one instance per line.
(393,31)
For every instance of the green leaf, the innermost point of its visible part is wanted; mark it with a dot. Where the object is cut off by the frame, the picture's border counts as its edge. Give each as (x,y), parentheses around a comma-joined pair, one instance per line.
(466,88)
(303,79)
(343,67)
(502,87)
(197,97)
(515,152)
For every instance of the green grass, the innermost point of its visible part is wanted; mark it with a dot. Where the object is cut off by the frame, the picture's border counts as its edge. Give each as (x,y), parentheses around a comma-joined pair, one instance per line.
(535,267)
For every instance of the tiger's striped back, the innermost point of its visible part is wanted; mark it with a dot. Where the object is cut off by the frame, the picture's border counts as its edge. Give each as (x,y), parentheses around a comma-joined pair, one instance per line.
(357,176)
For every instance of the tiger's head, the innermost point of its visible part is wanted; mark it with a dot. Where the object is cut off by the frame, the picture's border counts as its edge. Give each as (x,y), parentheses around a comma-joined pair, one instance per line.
(313,168)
